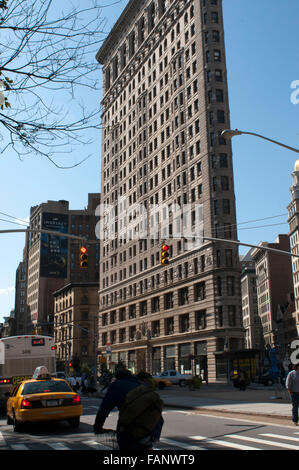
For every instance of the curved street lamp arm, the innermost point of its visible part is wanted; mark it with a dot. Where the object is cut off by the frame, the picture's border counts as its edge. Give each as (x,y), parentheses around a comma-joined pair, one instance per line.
(229,133)
(271,140)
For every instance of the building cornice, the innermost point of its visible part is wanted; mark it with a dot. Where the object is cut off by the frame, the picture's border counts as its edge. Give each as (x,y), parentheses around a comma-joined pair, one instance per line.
(74,285)
(118,29)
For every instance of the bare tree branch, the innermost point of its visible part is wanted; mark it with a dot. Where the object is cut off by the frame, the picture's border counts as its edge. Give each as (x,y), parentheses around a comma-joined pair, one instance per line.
(47,69)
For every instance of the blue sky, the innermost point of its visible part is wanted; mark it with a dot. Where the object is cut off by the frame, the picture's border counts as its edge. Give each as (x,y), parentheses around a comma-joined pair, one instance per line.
(262,62)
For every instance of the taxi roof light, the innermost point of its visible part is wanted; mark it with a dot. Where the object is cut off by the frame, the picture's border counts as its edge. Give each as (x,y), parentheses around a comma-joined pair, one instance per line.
(41,373)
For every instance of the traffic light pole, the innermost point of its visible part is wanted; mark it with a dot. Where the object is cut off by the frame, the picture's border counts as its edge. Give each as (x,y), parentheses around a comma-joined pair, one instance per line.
(260,247)
(50,232)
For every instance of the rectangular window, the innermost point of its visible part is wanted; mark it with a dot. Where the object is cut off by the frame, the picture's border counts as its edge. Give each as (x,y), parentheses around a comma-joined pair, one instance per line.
(183,296)
(199,291)
(184,323)
(219,96)
(200,320)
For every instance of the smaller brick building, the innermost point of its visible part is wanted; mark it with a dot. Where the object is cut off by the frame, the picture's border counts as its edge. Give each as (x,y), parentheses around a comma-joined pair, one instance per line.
(75,322)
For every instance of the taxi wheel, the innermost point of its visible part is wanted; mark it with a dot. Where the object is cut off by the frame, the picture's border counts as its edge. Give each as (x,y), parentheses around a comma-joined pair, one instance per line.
(17,426)
(9,420)
(74,422)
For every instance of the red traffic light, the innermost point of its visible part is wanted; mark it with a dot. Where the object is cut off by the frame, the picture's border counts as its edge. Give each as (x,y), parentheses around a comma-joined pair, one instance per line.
(83,257)
(164,254)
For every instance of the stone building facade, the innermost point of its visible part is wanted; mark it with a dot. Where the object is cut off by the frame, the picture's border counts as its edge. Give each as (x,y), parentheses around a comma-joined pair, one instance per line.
(251,320)
(164,105)
(275,293)
(293,220)
(54,261)
(75,323)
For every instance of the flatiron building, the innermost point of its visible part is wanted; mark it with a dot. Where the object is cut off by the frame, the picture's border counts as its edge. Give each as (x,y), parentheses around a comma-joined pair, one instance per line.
(164,105)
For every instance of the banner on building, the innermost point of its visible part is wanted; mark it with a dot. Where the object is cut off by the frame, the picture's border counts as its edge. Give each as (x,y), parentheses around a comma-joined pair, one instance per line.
(54,249)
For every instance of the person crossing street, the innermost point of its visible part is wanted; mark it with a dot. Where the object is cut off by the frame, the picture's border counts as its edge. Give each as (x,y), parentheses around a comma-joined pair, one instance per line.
(140,412)
(292,384)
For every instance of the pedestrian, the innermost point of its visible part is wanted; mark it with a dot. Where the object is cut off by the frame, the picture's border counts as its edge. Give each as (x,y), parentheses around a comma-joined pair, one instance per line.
(292,384)
(83,378)
(205,376)
(73,383)
(242,381)
(86,385)
(140,412)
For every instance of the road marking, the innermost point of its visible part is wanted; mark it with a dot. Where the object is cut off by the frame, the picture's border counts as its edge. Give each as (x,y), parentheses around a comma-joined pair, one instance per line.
(92,444)
(223,443)
(249,420)
(19,447)
(58,446)
(263,441)
(180,444)
(279,436)
(2,440)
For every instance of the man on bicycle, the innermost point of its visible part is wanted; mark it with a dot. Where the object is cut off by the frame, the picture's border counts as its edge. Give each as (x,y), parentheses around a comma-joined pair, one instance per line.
(115,397)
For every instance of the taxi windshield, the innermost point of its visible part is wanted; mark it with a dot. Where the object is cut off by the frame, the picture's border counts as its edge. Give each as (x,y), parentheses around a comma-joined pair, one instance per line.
(45,386)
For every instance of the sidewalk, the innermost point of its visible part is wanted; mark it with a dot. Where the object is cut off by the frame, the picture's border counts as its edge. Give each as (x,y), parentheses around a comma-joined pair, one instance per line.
(256,400)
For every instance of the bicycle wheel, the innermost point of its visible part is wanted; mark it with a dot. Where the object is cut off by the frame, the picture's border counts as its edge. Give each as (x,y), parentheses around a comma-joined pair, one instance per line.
(108,440)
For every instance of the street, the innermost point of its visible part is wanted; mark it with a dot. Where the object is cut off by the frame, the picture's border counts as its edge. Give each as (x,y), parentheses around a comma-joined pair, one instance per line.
(183,430)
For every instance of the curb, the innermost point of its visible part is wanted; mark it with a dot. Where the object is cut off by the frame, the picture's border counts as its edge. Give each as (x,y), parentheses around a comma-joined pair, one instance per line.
(249,413)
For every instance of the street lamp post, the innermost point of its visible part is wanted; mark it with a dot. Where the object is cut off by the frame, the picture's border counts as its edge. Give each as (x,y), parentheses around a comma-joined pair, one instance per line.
(229,133)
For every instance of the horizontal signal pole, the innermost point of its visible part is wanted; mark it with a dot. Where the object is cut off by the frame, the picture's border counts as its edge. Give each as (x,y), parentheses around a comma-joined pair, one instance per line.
(83,239)
(260,247)
(50,232)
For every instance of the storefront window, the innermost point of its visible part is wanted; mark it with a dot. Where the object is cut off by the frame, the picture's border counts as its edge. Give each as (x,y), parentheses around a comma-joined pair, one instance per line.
(169,360)
(185,366)
(221,368)
(156,360)
(131,361)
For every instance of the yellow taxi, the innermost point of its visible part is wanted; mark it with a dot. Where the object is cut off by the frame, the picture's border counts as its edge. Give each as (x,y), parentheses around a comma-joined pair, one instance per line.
(162,383)
(43,398)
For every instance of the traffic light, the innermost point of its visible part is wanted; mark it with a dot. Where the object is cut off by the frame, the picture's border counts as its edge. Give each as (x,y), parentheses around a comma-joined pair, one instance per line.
(164,254)
(83,257)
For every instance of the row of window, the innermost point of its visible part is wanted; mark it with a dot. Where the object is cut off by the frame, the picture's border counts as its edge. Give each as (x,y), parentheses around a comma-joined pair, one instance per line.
(132,333)
(169,276)
(137,37)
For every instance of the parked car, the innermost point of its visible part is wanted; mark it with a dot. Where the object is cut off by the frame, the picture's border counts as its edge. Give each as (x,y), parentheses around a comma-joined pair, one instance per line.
(175,377)
(162,382)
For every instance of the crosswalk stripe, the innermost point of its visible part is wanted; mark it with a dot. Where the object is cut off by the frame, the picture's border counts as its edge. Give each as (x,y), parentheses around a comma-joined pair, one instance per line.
(19,447)
(180,444)
(2,440)
(279,436)
(58,446)
(223,443)
(263,441)
(92,444)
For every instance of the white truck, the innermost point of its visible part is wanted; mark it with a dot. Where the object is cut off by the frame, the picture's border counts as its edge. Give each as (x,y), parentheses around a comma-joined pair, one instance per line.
(175,377)
(19,357)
